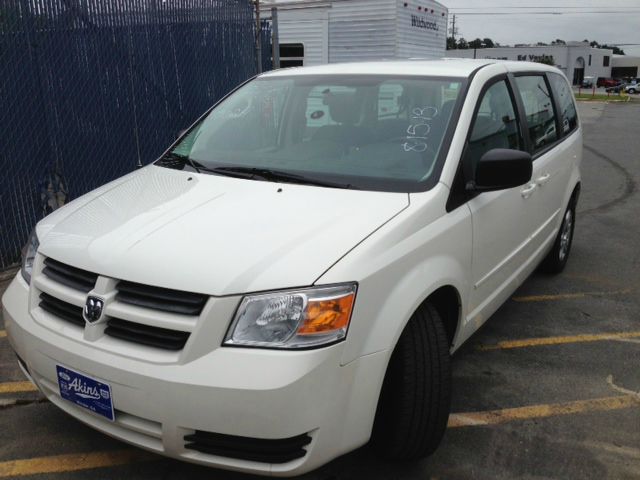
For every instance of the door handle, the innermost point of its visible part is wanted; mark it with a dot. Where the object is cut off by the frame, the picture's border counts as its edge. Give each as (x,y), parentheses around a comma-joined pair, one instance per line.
(543,179)
(528,190)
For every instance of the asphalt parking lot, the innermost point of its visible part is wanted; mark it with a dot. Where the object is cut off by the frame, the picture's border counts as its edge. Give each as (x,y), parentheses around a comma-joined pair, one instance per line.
(549,387)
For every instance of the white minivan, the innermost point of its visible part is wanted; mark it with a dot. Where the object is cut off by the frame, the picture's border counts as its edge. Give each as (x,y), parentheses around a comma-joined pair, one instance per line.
(288,281)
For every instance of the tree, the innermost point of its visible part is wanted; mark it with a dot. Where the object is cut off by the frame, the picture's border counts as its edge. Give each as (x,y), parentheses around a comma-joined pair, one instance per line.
(558,41)
(616,50)
(462,44)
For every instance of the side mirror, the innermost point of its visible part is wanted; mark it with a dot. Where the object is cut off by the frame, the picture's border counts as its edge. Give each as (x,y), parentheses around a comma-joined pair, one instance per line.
(500,169)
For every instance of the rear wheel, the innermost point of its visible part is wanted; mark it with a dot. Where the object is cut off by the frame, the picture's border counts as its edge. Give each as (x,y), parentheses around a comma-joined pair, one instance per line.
(556,259)
(416,395)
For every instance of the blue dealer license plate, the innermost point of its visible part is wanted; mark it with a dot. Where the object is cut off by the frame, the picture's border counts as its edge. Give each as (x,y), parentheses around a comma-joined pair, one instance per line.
(86,392)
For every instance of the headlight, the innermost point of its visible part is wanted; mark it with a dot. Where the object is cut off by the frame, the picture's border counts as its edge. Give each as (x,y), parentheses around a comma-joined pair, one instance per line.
(293,319)
(29,255)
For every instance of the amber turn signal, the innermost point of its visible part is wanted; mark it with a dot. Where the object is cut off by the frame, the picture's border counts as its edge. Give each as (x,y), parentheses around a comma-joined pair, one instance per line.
(323,316)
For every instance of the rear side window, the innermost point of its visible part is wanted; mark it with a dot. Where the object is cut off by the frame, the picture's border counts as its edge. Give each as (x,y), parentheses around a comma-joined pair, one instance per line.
(495,125)
(538,107)
(568,114)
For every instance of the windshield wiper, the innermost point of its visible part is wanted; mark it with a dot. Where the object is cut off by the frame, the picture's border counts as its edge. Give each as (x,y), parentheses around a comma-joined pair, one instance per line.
(275,176)
(178,162)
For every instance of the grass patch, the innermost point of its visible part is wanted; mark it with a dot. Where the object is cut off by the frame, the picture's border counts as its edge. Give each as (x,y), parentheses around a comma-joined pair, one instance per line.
(612,97)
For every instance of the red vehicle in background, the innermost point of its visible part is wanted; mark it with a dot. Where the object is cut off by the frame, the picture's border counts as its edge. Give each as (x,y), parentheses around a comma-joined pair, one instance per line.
(607,82)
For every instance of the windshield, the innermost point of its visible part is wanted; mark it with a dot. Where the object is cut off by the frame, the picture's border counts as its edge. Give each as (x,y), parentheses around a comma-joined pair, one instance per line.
(368,132)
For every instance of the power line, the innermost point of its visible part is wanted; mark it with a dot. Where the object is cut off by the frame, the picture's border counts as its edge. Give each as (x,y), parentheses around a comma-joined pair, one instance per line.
(532,7)
(609,12)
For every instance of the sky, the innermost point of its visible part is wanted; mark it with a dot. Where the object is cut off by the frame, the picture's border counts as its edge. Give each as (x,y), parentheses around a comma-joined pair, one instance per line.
(526,22)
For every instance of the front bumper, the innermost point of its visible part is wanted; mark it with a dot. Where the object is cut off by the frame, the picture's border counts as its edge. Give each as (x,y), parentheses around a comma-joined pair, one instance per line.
(261,394)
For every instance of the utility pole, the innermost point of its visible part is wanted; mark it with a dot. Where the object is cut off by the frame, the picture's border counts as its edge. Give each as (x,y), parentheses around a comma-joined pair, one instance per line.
(258,38)
(453,31)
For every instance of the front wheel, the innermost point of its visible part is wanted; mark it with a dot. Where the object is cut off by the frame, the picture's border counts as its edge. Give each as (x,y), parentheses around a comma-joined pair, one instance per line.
(556,259)
(414,404)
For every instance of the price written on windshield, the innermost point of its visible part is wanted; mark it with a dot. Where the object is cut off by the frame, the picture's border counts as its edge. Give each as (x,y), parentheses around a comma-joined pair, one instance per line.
(419,129)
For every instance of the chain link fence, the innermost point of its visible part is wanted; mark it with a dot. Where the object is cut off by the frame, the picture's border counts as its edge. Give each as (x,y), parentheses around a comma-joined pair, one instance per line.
(91,89)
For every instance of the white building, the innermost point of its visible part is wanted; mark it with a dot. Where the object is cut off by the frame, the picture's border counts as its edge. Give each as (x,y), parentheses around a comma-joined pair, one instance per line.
(576,59)
(625,66)
(313,32)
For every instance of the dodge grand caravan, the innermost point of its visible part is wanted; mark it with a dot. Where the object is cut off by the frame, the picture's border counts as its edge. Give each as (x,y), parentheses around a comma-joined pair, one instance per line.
(288,280)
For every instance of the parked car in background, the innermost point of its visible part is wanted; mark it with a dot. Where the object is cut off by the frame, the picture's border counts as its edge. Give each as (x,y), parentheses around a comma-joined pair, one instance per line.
(619,87)
(289,279)
(607,82)
(587,82)
(632,88)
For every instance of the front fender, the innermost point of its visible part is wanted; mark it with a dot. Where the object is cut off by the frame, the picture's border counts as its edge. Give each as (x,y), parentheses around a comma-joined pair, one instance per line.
(399,266)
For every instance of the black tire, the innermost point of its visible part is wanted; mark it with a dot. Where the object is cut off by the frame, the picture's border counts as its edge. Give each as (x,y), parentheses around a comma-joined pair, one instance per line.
(415,401)
(556,259)
(631,90)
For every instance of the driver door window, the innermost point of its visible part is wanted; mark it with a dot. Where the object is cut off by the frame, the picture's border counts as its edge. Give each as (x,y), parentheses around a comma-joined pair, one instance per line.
(495,125)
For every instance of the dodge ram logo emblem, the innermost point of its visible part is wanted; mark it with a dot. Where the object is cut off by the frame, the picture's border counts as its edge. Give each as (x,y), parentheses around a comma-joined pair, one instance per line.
(93,309)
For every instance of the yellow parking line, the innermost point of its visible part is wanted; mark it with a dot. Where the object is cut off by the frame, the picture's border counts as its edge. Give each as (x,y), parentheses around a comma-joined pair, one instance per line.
(567,296)
(72,462)
(91,460)
(592,278)
(536,342)
(17,387)
(540,411)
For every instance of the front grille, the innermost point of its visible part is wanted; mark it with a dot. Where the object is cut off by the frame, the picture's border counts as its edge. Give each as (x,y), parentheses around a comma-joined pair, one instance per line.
(62,309)
(70,276)
(156,298)
(146,335)
(246,448)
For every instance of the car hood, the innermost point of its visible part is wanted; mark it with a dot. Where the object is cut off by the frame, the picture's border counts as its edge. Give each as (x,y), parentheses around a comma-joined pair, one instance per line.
(211,234)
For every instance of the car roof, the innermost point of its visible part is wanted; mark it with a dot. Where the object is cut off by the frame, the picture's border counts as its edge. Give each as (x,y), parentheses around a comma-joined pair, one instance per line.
(445,67)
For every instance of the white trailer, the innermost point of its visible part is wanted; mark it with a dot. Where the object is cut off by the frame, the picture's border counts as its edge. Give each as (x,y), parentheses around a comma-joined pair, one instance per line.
(314,32)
